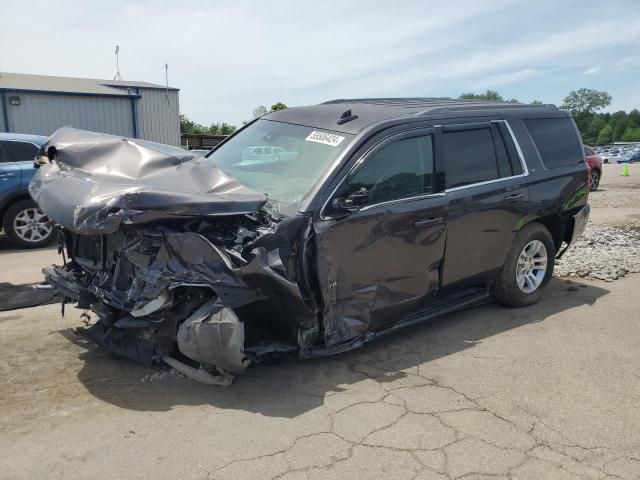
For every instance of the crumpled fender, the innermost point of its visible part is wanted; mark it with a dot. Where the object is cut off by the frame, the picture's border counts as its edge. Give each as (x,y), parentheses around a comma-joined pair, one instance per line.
(93,182)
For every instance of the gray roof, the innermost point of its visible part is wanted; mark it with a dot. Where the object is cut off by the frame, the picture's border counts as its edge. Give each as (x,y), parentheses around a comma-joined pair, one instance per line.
(91,86)
(372,110)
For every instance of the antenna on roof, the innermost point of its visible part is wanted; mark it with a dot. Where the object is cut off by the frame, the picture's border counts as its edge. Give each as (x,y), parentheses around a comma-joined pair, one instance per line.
(118,76)
(166,79)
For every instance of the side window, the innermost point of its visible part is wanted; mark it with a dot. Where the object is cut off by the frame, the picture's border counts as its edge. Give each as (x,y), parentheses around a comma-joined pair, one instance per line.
(470,157)
(588,152)
(556,140)
(401,169)
(3,154)
(20,151)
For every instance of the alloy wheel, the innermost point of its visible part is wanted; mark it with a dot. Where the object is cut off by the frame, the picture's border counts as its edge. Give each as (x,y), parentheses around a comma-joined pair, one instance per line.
(32,225)
(532,266)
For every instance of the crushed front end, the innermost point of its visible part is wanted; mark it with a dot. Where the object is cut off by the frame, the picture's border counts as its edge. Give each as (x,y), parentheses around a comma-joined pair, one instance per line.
(177,262)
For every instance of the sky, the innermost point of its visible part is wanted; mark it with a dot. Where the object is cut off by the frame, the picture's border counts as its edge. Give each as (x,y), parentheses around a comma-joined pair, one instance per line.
(228,57)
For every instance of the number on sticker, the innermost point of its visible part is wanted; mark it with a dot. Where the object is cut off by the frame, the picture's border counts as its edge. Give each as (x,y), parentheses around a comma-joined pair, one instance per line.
(325,138)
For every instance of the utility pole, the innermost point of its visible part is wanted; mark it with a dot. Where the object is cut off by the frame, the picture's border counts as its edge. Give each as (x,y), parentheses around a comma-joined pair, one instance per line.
(118,76)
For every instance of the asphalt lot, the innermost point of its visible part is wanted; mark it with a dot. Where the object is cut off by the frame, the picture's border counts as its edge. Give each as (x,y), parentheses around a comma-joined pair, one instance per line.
(545,392)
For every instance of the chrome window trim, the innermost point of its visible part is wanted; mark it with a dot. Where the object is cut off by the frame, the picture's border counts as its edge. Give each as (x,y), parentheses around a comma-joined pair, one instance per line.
(525,173)
(401,200)
(525,169)
(361,160)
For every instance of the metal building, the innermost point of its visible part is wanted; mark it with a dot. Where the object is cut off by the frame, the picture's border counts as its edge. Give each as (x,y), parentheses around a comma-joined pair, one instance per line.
(40,104)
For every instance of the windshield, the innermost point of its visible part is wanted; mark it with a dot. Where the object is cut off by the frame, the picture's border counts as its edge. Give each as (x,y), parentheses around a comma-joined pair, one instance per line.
(279,159)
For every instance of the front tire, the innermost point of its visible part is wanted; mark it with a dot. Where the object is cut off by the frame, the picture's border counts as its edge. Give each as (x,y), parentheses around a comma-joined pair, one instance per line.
(527,268)
(27,226)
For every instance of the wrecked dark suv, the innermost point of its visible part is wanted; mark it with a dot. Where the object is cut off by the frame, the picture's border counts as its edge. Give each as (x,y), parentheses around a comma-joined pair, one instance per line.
(312,229)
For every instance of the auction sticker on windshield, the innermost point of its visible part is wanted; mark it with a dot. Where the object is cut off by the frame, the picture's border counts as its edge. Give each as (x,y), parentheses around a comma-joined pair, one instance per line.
(326,138)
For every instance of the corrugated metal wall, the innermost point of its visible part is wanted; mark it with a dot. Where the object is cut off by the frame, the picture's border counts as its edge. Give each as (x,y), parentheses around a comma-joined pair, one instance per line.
(158,114)
(42,114)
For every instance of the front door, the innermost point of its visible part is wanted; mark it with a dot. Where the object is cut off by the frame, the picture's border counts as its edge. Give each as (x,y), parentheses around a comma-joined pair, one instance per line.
(377,263)
(10,174)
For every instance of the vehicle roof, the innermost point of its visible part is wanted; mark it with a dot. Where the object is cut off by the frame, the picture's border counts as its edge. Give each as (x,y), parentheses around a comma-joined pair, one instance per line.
(22,137)
(372,110)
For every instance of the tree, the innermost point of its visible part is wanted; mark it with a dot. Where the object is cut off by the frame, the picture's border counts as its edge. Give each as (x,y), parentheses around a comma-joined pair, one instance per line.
(259,111)
(618,122)
(586,100)
(536,102)
(633,118)
(189,126)
(590,135)
(278,106)
(221,129)
(489,95)
(583,103)
(631,135)
(605,136)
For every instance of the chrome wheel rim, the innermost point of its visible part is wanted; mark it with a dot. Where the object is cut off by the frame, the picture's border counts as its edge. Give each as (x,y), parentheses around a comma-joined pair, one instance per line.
(532,266)
(32,225)
(595,178)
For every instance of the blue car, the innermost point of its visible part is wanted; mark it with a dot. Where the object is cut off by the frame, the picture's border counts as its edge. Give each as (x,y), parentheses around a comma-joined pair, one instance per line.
(21,219)
(630,157)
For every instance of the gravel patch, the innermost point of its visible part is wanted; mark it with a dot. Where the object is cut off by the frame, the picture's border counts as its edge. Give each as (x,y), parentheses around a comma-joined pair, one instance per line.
(603,252)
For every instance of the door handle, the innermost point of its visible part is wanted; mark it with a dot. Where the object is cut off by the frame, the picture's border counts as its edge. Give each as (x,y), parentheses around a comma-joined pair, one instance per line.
(513,198)
(7,175)
(426,222)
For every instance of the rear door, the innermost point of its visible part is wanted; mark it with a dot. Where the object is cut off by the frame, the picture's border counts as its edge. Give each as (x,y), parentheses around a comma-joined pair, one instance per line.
(376,264)
(486,185)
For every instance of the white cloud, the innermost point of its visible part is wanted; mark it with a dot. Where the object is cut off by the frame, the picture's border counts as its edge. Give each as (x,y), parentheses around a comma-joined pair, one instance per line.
(593,70)
(228,57)
(506,78)
(628,62)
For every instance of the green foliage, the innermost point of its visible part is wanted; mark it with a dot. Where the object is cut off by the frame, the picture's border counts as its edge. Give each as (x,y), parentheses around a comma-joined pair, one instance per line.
(606,135)
(189,126)
(592,130)
(536,102)
(489,95)
(221,129)
(631,135)
(278,106)
(586,100)
(259,111)
(582,104)
(633,119)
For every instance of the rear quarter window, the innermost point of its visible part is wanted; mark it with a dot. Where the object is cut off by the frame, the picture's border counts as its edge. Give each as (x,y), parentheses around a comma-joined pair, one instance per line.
(556,140)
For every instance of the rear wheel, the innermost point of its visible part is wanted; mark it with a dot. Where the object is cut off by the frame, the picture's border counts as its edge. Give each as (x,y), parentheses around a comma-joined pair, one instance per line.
(27,226)
(595,180)
(527,268)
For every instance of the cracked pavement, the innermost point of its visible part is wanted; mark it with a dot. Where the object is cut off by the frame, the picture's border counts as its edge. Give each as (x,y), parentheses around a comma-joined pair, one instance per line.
(550,391)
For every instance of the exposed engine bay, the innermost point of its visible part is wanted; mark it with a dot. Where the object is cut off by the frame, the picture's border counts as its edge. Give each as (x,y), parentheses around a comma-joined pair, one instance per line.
(205,293)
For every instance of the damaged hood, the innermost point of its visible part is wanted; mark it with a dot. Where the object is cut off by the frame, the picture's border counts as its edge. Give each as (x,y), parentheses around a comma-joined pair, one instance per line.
(93,182)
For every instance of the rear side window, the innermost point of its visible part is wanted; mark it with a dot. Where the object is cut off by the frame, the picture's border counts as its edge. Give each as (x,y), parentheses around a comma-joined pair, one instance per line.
(556,140)
(470,157)
(401,169)
(20,151)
